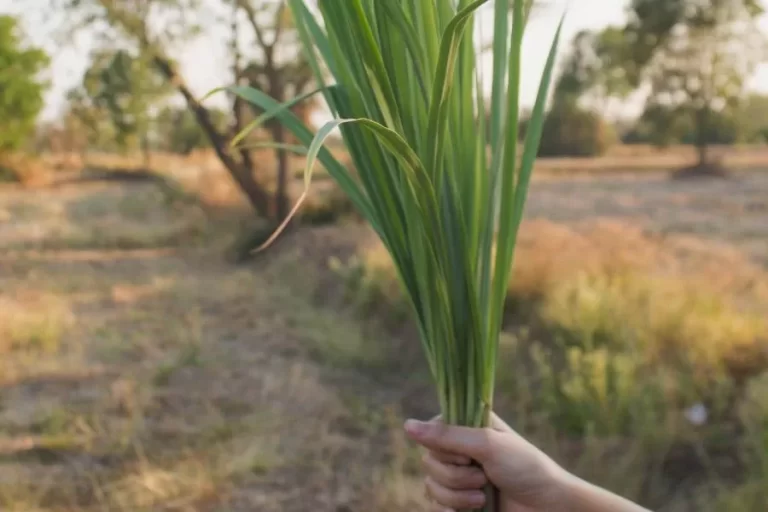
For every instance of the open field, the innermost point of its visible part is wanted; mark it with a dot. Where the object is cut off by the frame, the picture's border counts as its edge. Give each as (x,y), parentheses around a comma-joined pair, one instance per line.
(140,370)
(734,211)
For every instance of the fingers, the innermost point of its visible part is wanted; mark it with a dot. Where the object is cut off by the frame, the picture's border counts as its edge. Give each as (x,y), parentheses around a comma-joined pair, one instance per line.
(459,478)
(453,499)
(474,443)
(451,458)
(496,422)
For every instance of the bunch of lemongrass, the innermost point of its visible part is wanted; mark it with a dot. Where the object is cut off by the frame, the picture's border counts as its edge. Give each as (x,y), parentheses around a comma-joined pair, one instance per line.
(439,176)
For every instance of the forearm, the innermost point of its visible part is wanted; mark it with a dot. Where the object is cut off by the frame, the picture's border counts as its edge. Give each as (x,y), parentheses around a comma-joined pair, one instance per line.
(581,496)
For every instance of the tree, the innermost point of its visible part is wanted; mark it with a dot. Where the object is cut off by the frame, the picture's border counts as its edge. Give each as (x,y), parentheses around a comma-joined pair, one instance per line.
(595,71)
(696,56)
(280,69)
(177,131)
(89,121)
(591,75)
(659,125)
(127,87)
(152,28)
(752,119)
(21,89)
(113,105)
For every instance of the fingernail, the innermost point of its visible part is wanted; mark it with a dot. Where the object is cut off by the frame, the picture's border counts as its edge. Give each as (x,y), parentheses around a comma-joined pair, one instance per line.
(414,427)
(478,498)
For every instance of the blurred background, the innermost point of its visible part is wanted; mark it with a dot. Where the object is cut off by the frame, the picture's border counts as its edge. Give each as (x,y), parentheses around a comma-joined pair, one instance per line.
(148,362)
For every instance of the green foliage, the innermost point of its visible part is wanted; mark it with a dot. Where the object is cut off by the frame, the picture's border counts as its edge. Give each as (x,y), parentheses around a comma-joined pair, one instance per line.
(593,73)
(751,119)
(176,130)
(696,56)
(659,125)
(414,129)
(670,322)
(601,392)
(751,495)
(125,87)
(595,69)
(570,130)
(664,126)
(90,122)
(21,89)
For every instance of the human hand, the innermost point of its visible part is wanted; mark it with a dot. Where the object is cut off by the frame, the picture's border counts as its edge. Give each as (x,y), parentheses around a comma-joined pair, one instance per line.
(528,480)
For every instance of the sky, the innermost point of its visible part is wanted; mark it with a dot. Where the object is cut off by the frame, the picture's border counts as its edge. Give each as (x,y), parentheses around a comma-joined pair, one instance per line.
(204,63)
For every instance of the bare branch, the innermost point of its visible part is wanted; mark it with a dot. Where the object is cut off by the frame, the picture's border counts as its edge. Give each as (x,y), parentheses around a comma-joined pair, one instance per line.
(278,23)
(251,14)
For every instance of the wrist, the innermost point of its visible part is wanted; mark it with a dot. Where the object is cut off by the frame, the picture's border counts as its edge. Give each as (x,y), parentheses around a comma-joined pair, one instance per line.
(571,490)
(577,495)
(563,488)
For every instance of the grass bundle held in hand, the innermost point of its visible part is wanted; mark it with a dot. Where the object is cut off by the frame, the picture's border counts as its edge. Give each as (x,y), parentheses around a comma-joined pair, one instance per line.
(439,173)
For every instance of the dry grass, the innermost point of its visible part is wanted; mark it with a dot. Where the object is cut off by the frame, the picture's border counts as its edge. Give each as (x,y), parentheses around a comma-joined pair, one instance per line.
(32,325)
(642,158)
(24,169)
(98,216)
(167,379)
(170,380)
(620,321)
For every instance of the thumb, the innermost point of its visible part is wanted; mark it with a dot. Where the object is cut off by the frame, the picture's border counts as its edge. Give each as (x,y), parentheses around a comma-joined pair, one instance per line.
(474,443)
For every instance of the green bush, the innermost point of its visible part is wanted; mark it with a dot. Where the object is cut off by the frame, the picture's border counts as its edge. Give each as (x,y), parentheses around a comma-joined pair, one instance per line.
(666,320)
(570,130)
(601,392)
(752,494)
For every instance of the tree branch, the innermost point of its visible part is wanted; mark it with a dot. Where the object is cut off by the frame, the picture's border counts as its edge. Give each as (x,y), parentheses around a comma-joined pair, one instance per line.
(259,198)
(279,12)
(250,13)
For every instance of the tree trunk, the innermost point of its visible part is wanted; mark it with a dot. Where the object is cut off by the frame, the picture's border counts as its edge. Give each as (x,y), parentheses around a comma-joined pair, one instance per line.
(146,154)
(703,155)
(242,172)
(238,103)
(281,192)
(702,133)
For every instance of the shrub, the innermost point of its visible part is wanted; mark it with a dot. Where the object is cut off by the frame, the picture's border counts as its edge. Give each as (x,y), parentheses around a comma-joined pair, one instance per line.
(602,392)
(751,495)
(570,130)
(663,319)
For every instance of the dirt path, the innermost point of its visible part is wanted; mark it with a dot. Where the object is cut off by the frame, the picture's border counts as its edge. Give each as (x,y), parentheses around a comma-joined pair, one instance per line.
(169,379)
(181,383)
(734,211)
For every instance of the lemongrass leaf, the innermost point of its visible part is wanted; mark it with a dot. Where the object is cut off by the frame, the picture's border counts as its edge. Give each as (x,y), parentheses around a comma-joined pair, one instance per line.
(304,135)
(291,148)
(271,114)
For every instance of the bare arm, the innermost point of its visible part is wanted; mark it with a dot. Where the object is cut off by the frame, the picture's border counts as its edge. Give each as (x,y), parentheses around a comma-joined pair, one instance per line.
(581,496)
(526,478)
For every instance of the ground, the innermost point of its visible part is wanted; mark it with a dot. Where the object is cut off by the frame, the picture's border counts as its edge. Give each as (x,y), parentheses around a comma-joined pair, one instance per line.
(142,370)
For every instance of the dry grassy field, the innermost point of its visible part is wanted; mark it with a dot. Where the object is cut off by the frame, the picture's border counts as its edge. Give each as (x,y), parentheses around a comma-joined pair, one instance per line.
(141,370)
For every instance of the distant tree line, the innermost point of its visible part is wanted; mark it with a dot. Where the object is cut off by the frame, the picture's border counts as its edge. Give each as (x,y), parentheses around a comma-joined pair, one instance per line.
(687,60)
(690,59)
